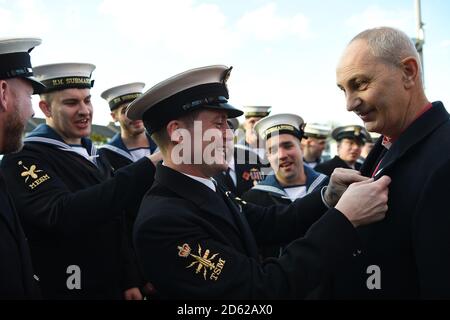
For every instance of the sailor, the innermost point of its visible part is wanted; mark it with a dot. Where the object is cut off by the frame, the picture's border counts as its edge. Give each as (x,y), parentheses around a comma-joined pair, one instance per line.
(71,209)
(132,143)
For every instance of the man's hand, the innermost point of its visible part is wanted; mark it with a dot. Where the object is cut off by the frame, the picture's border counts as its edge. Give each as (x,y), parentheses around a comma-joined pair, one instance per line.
(339,181)
(132,294)
(365,202)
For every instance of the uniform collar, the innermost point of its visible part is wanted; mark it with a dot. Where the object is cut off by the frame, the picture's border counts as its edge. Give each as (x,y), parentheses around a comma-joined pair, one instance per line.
(45,134)
(207,182)
(117,142)
(313,179)
(45,131)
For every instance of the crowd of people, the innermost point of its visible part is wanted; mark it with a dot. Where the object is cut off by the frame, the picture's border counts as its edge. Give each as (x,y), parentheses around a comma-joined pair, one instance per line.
(185,203)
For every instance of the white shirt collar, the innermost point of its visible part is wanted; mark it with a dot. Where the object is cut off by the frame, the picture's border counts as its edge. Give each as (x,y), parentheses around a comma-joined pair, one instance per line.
(207,182)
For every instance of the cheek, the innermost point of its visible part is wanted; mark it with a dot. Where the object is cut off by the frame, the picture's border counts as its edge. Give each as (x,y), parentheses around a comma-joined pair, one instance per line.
(27,109)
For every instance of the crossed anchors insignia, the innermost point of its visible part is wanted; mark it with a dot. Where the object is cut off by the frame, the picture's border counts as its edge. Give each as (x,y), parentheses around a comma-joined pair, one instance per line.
(31,172)
(202,261)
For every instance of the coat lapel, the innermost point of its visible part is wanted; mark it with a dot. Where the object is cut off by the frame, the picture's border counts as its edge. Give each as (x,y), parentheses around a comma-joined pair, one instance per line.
(241,221)
(195,192)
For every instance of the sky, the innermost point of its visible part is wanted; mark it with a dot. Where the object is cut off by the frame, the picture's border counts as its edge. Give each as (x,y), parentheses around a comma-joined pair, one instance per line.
(284,53)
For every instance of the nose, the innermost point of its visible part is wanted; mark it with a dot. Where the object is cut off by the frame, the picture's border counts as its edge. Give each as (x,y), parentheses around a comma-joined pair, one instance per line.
(352,102)
(84,109)
(282,154)
(228,132)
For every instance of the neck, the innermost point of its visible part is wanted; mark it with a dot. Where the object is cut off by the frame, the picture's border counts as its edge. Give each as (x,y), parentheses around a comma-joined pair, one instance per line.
(415,106)
(189,169)
(351,164)
(134,141)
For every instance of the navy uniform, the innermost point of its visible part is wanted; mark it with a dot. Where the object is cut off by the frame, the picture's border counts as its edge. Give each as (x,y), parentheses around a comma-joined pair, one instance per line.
(354,132)
(196,241)
(245,169)
(258,113)
(270,192)
(71,210)
(115,151)
(16,271)
(318,132)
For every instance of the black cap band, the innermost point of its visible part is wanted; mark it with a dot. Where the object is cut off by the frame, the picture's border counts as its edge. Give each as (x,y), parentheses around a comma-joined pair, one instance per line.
(180,104)
(68,83)
(360,139)
(16,64)
(283,129)
(126,98)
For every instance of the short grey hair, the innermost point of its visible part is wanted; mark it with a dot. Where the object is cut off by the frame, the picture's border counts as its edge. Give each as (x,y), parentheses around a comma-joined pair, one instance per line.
(389,44)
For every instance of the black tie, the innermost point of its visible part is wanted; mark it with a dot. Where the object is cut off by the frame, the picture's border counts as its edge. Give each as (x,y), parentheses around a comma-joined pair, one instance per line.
(229,181)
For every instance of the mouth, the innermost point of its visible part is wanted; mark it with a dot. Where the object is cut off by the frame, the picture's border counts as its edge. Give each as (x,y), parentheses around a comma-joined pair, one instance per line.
(366,115)
(137,123)
(82,123)
(285,165)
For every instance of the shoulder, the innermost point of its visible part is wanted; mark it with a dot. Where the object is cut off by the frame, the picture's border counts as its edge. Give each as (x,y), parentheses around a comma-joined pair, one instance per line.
(160,204)
(30,152)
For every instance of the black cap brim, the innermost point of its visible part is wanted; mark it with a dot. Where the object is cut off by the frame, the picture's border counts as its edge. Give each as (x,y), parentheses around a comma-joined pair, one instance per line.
(231,111)
(38,87)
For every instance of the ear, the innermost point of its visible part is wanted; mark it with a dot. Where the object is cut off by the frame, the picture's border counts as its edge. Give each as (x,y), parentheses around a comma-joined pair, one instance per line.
(114,116)
(410,72)
(46,108)
(3,95)
(173,132)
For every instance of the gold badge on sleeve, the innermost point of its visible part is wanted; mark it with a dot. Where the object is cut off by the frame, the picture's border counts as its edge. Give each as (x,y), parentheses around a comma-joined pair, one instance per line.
(37,176)
(203,261)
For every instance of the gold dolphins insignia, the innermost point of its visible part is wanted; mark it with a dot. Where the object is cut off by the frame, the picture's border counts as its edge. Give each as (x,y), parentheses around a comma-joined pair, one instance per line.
(31,172)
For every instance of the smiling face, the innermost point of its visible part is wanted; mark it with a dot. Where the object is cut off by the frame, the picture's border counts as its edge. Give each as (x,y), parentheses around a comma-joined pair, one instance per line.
(69,112)
(285,156)
(374,89)
(200,143)
(130,128)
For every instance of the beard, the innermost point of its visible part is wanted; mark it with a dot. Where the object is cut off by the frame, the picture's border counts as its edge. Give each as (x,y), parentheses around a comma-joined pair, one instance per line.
(13,132)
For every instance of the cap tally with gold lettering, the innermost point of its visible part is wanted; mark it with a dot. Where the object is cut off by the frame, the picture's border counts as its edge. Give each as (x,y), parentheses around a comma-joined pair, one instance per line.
(123,94)
(318,131)
(15,60)
(284,123)
(256,111)
(183,93)
(60,76)
(353,132)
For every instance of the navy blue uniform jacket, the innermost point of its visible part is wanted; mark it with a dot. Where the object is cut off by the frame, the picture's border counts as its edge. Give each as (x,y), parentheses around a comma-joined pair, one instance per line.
(195,243)
(72,215)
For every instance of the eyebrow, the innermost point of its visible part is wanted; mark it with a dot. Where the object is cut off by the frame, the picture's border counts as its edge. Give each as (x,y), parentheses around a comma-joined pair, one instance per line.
(286,144)
(76,99)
